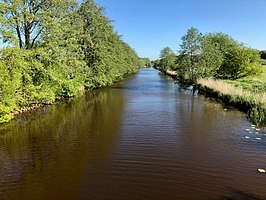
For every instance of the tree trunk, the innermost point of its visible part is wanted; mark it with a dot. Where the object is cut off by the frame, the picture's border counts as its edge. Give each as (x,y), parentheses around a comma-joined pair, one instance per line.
(19,37)
(192,67)
(27,38)
(27,28)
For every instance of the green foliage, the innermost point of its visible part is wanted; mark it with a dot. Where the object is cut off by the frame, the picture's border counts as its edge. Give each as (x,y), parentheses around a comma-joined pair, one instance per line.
(105,53)
(256,86)
(168,59)
(23,22)
(263,55)
(211,58)
(257,114)
(145,62)
(219,56)
(251,84)
(58,49)
(215,55)
(22,80)
(238,60)
(5,118)
(262,61)
(191,49)
(165,52)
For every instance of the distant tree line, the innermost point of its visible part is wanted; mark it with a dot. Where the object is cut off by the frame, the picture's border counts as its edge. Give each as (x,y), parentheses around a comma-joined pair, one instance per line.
(209,55)
(57,48)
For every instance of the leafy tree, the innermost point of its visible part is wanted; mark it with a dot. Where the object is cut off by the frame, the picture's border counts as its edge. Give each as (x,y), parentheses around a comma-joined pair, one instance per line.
(64,58)
(105,53)
(58,48)
(215,55)
(156,63)
(21,18)
(211,57)
(238,60)
(168,59)
(189,53)
(23,21)
(165,52)
(145,62)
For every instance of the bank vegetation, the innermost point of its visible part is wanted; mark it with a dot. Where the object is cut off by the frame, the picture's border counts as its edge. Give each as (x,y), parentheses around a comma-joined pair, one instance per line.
(56,48)
(221,67)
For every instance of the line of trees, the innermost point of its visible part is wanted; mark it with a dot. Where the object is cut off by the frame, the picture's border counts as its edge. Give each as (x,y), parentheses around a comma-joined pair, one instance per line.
(210,55)
(57,48)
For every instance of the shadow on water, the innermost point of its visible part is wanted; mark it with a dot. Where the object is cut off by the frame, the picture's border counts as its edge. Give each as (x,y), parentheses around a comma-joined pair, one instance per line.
(240,195)
(54,149)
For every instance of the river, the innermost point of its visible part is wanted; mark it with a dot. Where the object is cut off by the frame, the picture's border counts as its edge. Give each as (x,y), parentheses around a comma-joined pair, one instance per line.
(144,138)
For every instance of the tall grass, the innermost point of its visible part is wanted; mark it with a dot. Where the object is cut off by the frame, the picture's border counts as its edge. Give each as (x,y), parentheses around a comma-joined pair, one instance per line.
(225,88)
(253,102)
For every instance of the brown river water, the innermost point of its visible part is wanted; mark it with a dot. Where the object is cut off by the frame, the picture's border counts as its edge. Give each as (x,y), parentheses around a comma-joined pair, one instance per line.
(142,139)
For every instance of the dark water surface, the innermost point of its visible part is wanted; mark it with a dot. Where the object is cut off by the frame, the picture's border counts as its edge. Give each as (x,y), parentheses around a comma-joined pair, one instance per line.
(143,139)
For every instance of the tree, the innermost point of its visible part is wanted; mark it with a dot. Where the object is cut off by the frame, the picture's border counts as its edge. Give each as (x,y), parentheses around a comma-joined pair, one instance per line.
(168,59)
(58,48)
(145,62)
(23,21)
(190,51)
(215,55)
(107,56)
(211,57)
(166,52)
(238,61)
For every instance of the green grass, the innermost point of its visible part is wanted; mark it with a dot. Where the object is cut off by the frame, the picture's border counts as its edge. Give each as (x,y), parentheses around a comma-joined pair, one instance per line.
(264,72)
(253,84)
(262,62)
(248,92)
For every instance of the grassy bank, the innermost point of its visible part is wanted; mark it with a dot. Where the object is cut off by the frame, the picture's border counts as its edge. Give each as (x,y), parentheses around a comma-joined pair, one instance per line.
(249,95)
(171,73)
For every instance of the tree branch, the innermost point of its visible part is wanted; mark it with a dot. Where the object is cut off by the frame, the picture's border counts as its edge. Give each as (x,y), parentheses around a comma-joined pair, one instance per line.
(34,39)
(18,31)
(19,36)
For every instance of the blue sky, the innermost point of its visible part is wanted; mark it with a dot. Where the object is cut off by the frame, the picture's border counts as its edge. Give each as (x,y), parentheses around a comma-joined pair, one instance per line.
(150,25)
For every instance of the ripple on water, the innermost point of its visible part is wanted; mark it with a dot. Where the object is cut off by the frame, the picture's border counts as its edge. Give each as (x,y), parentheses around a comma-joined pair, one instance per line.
(144,139)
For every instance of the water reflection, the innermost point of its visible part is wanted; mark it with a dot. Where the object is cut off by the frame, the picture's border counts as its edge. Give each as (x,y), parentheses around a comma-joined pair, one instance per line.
(43,155)
(239,195)
(145,138)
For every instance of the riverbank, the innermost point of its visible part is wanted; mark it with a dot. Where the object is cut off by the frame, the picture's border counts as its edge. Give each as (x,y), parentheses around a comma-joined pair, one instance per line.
(11,114)
(171,73)
(33,106)
(247,94)
(231,92)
